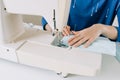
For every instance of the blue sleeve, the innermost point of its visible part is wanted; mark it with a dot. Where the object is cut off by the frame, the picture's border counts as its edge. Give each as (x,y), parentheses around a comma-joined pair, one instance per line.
(118,28)
(44,22)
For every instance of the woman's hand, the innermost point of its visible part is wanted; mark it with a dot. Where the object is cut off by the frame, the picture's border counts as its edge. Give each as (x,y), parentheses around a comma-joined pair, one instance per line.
(66,31)
(48,28)
(86,36)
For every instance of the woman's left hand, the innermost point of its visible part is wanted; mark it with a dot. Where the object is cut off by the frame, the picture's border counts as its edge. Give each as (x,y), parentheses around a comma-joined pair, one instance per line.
(86,36)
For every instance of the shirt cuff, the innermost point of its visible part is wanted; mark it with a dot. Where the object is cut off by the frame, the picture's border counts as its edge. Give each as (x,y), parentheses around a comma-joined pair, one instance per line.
(44,23)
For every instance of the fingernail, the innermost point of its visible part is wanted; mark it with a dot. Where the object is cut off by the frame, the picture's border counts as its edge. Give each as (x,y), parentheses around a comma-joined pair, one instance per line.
(75,46)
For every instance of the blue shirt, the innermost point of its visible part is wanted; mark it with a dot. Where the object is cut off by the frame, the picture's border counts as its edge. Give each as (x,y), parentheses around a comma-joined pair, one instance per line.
(85,13)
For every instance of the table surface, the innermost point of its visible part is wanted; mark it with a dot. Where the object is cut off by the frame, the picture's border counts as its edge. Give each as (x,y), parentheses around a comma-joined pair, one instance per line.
(12,71)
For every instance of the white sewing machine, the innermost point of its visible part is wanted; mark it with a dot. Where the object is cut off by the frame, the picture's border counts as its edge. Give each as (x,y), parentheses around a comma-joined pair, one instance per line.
(33,47)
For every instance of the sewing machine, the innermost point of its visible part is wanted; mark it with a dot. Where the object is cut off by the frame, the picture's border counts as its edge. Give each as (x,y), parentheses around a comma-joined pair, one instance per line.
(38,48)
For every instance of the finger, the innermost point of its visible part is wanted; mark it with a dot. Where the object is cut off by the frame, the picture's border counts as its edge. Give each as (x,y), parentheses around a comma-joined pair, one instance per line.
(66,31)
(74,40)
(63,33)
(89,42)
(83,40)
(68,27)
(77,34)
(71,39)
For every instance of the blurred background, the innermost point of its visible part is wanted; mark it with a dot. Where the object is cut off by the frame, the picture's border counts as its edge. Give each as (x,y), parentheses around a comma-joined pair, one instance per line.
(32,19)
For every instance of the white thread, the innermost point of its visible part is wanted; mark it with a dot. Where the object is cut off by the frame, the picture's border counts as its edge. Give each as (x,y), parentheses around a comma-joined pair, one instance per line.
(74,4)
(75,27)
(118,6)
(107,13)
(92,11)
(97,7)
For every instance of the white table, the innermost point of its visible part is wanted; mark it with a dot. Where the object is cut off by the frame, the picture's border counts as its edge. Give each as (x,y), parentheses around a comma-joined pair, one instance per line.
(13,71)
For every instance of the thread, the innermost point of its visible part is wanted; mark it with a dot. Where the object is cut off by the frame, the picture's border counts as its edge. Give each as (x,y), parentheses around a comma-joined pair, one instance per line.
(74,4)
(117,6)
(97,7)
(107,13)
(92,11)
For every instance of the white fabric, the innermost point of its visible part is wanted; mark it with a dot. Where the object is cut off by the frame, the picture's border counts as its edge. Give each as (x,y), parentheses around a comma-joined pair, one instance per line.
(101,45)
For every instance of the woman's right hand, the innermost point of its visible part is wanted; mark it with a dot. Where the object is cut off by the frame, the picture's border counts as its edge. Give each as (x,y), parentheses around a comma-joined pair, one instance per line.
(66,31)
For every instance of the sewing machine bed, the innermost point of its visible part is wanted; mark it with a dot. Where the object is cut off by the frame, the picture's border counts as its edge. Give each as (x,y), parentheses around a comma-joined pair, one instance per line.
(59,59)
